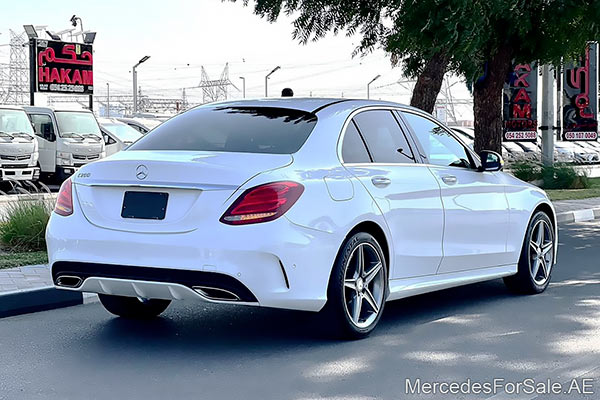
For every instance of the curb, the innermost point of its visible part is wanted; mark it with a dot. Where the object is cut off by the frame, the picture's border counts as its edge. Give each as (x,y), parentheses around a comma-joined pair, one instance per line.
(579,215)
(34,300)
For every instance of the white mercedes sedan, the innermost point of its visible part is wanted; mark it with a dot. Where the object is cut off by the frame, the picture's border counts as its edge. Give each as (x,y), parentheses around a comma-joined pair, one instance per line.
(329,205)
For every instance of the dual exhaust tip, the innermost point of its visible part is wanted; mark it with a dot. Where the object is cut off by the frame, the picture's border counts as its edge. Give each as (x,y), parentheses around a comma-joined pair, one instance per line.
(210,293)
(213,293)
(69,281)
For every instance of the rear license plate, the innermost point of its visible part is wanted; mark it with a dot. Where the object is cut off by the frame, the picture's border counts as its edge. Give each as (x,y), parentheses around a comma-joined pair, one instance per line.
(144,205)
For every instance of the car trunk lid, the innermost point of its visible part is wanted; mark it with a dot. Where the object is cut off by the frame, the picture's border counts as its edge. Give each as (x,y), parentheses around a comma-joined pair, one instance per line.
(196,185)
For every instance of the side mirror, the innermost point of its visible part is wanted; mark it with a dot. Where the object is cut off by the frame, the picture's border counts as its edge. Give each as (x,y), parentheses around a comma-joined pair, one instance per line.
(491,161)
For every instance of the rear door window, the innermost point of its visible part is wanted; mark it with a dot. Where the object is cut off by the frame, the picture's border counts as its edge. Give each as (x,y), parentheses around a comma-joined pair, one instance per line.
(385,140)
(244,129)
(353,147)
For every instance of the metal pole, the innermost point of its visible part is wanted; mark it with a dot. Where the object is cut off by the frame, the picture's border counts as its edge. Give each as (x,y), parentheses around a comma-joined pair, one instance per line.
(107,100)
(134,90)
(243,86)
(277,68)
(91,104)
(558,73)
(32,71)
(266,84)
(135,86)
(547,115)
(369,84)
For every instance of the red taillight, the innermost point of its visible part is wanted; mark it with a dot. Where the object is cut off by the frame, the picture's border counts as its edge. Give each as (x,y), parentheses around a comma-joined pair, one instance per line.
(263,203)
(64,202)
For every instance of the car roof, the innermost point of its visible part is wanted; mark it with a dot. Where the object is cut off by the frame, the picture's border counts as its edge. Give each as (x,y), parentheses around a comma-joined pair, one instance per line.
(11,107)
(54,109)
(105,120)
(308,104)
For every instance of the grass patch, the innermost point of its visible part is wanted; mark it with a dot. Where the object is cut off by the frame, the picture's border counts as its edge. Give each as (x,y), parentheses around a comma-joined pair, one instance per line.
(576,194)
(12,260)
(23,227)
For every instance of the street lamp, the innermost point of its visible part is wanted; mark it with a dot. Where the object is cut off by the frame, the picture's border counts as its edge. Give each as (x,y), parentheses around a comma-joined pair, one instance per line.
(243,86)
(89,37)
(369,84)
(32,35)
(31,32)
(267,79)
(74,20)
(135,104)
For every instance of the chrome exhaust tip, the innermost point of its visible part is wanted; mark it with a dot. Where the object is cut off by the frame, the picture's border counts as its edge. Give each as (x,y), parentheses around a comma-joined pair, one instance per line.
(69,281)
(212,293)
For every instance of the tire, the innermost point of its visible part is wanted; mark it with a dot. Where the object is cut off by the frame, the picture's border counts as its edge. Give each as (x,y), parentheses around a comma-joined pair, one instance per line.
(133,307)
(537,257)
(352,290)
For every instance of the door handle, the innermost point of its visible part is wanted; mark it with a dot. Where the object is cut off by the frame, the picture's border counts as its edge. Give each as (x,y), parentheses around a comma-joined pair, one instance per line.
(380,181)
(449,179)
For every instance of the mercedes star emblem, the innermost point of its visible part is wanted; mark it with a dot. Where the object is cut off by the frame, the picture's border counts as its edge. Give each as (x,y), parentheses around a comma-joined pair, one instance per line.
(141,172)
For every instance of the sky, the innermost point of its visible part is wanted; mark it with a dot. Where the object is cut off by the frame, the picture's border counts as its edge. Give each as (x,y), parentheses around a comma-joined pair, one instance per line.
(181,36)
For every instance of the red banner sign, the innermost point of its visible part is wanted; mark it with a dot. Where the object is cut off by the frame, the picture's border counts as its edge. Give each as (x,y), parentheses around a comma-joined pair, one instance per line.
(64,67)
(580,97)
(520,104)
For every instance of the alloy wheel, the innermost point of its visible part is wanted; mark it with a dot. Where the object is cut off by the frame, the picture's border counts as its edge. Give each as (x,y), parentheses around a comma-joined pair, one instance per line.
(364,285)
(541,254)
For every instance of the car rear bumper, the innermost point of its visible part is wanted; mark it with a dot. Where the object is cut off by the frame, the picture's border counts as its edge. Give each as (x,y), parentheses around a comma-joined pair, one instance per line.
(274,264)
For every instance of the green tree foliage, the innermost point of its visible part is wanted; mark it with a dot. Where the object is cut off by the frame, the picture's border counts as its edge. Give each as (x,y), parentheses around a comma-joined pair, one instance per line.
(478,39)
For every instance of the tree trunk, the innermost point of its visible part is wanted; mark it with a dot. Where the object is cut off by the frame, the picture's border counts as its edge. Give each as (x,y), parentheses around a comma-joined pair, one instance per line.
(487,102)
(429,83)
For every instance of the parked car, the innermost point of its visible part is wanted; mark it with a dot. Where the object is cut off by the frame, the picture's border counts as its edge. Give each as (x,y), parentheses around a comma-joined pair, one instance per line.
(585,152)
(330,205)
(568,151)
(117,135)
(18,146)
(468,136)
(143,125)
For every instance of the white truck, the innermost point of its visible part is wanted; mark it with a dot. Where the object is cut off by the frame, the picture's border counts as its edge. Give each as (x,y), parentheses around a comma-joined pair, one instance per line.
(68,139)
(18,146)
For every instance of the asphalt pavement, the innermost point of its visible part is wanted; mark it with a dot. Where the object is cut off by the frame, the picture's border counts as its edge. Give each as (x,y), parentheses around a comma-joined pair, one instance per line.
(203,351)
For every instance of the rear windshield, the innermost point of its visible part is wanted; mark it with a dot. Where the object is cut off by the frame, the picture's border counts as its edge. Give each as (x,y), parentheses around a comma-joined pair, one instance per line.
(232,129)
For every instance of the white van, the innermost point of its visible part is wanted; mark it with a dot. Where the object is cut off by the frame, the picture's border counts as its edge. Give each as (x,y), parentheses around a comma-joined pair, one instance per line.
(18,146)
(68,139)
